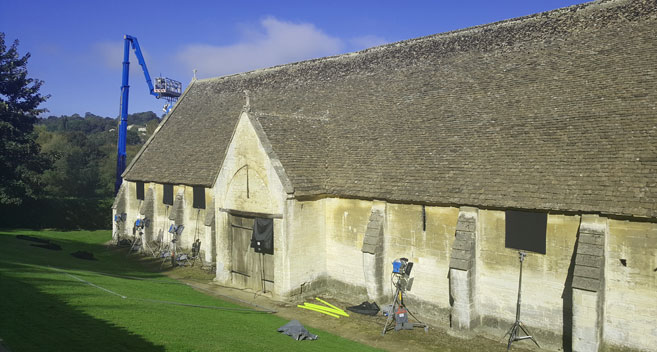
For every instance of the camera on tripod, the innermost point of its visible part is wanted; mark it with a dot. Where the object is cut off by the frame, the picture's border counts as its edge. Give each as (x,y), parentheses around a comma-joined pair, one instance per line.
(402,269)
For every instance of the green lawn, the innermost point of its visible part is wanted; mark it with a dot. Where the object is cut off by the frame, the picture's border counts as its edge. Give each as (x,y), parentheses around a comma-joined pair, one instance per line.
(45,309)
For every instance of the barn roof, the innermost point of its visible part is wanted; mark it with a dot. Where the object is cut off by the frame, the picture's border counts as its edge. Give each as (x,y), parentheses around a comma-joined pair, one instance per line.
(554,111)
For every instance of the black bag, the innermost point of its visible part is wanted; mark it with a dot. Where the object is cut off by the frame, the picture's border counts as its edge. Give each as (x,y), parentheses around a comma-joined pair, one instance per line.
(366,308)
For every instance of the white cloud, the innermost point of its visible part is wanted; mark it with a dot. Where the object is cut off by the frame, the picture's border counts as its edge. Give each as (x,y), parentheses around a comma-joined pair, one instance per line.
(274,42)
(366,41)
(110,55)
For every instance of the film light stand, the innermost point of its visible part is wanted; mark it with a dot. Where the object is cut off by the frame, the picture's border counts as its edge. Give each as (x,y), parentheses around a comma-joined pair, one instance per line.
(518,325)
(136,234)
(403,284)
(140,242)
(119,220)
(175,232)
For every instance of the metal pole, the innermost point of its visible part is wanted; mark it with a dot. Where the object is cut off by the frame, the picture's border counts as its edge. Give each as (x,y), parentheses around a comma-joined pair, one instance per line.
(123,126)
(522,259)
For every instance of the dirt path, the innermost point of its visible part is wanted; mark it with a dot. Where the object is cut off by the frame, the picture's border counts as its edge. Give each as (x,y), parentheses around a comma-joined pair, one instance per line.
(356,327)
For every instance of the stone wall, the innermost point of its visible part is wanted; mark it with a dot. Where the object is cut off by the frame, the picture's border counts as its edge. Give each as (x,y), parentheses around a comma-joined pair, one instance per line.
(346,223)
(428,246)
(630,312)
(159,215)
(306,246)
(545,292)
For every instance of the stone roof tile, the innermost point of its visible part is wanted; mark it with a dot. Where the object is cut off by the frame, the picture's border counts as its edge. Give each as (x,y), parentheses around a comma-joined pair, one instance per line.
(555,111)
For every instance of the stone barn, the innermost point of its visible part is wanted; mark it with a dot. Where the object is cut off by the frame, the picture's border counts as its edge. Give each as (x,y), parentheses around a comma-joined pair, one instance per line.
(422,149)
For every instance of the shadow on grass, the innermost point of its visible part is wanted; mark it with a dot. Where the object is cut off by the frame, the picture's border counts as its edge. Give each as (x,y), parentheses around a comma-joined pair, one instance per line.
(36,321)
(108,259)
(46,309)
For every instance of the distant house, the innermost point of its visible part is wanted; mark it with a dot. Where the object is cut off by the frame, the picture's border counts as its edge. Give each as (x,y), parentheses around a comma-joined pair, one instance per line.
(420,149)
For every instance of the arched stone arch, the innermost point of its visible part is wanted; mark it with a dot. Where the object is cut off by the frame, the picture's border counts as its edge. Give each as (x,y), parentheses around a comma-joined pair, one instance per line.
(249,191)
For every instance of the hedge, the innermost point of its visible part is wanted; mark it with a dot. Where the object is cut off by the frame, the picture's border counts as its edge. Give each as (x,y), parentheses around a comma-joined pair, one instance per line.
(65,214)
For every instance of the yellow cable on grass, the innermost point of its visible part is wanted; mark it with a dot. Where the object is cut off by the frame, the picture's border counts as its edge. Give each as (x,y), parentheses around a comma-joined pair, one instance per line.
(337,310)
(319,310)
(332,310)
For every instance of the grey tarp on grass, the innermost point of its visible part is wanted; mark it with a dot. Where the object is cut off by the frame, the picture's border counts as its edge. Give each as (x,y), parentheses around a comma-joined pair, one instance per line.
(296,331)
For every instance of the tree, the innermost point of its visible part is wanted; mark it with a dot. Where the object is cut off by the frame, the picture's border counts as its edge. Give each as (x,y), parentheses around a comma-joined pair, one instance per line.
(21,162)
(76,172)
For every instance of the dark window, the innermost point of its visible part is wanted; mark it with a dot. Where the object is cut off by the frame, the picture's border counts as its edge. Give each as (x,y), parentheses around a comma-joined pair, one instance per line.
(525,231)
(424,218)
(199,197)
(140,190)
(167,195)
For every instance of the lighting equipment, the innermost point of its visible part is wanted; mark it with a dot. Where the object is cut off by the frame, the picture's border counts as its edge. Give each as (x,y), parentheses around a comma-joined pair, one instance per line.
(524,231)
(175,231)
(513,331)
(138,229)
(400,278)
(119,219)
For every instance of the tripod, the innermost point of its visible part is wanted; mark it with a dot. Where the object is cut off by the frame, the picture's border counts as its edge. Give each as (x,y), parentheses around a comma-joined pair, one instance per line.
(119,220)
(171,249)
(139,242)
(117,233)
(175,232)
(513,331)
(398,305)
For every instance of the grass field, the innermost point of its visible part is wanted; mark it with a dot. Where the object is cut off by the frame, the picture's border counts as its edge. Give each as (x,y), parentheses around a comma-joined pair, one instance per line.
(45,307)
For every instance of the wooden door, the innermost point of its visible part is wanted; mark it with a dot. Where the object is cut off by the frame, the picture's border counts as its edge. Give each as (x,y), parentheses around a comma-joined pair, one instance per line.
(249,269)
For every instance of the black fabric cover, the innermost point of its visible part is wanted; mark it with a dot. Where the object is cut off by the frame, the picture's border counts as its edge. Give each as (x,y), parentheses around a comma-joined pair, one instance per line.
(140,190)
(262,240)
(525,230)
(199,197)
(167,194)
(366,308)
(296,331)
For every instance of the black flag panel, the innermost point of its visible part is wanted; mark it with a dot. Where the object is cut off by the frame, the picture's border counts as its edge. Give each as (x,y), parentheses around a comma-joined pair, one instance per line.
(526,231)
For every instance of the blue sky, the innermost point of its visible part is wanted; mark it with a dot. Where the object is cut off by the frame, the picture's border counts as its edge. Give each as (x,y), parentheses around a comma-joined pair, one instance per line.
(77,46)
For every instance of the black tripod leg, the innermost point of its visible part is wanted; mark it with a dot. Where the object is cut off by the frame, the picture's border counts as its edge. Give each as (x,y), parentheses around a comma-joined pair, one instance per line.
(164,259)
(524,329)
(508,332)
(392,312)
(133,246)
(513,332)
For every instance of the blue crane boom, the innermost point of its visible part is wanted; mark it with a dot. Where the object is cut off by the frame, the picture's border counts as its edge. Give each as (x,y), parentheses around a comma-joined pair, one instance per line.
(164,88)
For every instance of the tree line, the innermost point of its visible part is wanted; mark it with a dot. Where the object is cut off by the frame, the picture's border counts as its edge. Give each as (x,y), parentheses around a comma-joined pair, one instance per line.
(83,152)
